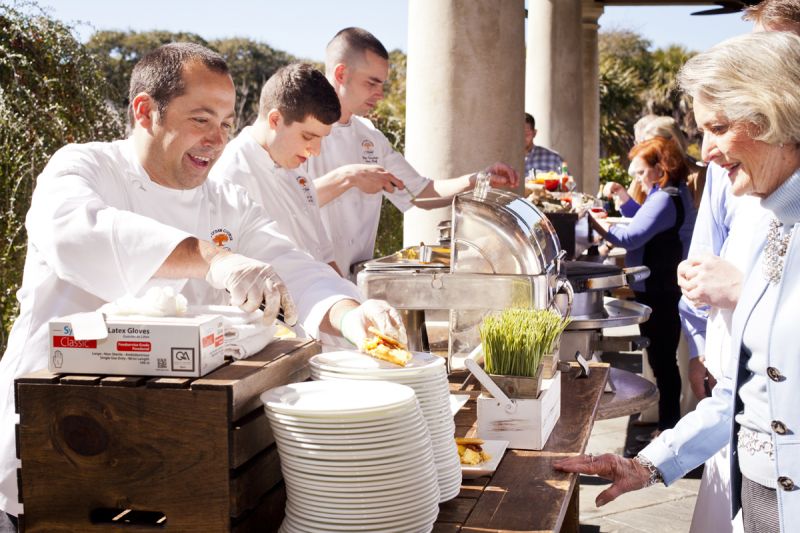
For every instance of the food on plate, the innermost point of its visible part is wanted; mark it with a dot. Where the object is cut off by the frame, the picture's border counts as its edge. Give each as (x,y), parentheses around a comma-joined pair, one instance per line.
(385,348)
(470,451)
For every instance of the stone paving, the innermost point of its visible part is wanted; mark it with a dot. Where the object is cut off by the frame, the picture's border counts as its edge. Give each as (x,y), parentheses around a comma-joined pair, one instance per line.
(656,509)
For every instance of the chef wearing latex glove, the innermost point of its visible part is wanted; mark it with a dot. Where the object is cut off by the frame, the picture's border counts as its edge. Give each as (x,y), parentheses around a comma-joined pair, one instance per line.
(251,282)
(376,313)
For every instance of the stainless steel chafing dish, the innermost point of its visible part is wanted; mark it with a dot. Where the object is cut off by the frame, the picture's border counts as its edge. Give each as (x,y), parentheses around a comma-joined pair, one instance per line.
(503,253)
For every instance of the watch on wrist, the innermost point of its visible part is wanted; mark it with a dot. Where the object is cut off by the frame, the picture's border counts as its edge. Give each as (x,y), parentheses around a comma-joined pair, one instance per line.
(655,475)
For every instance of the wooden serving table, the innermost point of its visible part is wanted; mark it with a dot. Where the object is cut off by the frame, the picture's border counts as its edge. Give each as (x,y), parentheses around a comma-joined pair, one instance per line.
(525,493)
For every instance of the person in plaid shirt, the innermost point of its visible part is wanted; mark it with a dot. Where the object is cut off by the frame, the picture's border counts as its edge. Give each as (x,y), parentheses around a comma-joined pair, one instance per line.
(537,157)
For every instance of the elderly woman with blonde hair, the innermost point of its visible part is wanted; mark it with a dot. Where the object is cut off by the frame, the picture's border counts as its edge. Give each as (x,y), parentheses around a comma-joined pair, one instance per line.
(746,95)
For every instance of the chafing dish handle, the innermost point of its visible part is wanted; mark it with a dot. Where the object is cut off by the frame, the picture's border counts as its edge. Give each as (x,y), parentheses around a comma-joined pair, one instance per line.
(563,286)
(634,274)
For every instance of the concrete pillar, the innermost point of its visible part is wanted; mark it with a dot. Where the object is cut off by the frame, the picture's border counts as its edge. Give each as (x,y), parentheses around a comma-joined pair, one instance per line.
(464,94)
(554,79)
(591,11)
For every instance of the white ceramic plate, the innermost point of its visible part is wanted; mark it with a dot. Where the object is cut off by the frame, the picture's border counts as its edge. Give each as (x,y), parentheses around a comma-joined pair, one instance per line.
(411,522)
(397,433)
(495,448)
(353,362)
(429,491)
(342,400)
(377,464)
(404,416)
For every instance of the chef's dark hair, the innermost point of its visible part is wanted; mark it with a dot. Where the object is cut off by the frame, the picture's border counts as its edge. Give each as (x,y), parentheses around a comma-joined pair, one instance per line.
(350,44)
(298,91)
(160,73)
(530,120)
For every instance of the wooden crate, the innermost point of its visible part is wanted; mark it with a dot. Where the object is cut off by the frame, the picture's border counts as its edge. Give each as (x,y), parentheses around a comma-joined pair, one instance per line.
(198,451)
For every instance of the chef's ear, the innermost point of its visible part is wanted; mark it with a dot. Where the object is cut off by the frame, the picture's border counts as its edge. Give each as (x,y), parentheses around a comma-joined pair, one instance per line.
(274,118)
(340,72)
(144,110)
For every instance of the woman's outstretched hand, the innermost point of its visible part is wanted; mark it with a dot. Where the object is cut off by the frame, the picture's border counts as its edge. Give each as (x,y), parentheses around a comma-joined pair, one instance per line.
(625,474)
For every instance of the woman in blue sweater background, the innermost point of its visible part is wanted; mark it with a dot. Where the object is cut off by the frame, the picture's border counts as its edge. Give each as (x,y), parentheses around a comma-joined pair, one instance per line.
(658,237)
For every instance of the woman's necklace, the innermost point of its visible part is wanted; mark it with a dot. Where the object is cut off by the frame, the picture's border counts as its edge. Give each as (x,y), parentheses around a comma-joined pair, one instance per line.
(774,252)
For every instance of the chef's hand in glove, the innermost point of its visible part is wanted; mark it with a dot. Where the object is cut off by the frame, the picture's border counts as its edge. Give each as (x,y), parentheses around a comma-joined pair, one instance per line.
(251,282)
(502,175)
(376,313)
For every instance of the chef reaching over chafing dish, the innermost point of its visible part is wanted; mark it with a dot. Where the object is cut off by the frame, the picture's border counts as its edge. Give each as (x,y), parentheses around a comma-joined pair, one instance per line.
(110,219)
(357,166)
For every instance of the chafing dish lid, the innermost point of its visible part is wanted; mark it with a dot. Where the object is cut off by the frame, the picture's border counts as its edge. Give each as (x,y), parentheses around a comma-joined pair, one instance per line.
(502,233)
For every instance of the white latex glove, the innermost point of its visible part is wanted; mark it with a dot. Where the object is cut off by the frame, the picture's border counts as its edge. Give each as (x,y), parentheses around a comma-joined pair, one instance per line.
(376,313)
(250,283)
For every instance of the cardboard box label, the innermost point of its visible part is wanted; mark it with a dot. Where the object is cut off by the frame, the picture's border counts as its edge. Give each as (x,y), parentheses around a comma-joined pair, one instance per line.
(187,346)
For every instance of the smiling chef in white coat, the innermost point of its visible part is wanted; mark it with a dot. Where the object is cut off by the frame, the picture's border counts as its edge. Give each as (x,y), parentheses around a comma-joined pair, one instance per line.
(109,219)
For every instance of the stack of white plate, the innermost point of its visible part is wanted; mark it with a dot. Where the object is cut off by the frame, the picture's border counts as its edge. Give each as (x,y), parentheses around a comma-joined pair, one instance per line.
(426,374)
(354,456)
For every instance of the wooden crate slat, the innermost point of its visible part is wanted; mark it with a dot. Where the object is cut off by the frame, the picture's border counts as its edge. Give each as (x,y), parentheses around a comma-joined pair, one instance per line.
(249,436)
(168,383)
(255,480)
(246,383)
(79,379)
(123,381)
(39,376)
(267,517)
(121,447)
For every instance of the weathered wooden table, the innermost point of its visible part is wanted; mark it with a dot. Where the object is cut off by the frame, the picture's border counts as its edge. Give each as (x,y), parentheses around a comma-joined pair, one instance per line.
(526,493)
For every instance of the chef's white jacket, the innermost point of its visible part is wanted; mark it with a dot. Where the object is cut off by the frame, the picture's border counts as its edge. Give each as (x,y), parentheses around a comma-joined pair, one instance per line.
(352,218)
(288,196)
(99,228)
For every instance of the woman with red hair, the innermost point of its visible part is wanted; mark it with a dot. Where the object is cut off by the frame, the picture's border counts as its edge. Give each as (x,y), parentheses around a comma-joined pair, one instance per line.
(658,237)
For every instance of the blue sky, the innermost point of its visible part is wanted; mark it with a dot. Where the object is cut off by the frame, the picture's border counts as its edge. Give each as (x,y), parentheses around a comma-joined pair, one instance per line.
(303,27)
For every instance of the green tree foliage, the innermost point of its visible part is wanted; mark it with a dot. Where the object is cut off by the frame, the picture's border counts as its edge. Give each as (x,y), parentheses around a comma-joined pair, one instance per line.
(662,95)
(251,63)
(635,81)
(390,117)
(52,92)
(119,51)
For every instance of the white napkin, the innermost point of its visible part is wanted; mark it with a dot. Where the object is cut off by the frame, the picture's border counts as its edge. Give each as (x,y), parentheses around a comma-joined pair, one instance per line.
(157,301)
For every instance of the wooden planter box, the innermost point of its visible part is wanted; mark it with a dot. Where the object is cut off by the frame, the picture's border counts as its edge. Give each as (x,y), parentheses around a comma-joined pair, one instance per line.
(142,454)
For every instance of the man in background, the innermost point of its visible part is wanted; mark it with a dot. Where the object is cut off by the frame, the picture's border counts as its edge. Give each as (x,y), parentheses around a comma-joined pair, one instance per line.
(538,158)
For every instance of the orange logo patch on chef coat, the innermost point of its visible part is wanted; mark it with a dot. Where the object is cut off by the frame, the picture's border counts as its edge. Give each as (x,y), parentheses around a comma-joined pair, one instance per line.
(368,152)
(221,237)
(303,182)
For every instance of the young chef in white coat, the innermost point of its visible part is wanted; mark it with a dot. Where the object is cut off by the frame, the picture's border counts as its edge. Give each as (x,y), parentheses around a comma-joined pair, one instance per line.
(109,219)
(295,111)
(357,162)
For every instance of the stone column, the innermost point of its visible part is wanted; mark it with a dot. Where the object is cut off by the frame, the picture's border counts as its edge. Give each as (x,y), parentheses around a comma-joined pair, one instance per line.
(464,94)
(553,79)
(591,11)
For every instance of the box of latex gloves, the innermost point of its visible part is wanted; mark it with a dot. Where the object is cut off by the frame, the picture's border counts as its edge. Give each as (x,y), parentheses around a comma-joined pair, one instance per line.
(124,339)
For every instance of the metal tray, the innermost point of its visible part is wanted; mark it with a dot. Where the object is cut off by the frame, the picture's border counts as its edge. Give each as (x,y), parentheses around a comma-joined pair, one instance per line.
(620,313)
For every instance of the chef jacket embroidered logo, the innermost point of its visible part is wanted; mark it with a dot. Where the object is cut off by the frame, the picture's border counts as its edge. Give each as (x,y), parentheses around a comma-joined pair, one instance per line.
(303,182)
(368,152)
(221,237)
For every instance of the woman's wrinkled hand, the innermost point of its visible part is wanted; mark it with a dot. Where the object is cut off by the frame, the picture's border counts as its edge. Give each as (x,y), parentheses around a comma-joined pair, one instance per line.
(710,280)
(625,474)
